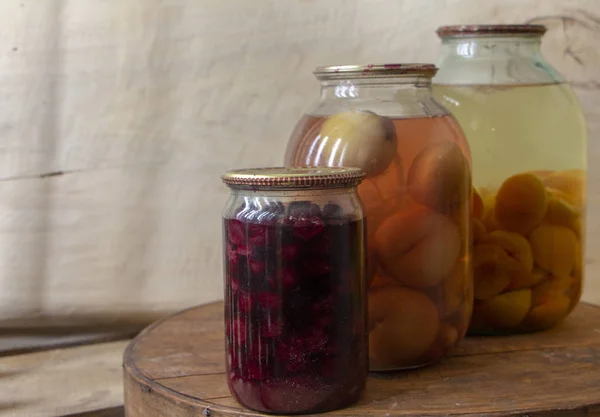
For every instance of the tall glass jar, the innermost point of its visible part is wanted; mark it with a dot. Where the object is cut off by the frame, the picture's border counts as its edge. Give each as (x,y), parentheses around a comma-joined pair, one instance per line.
(528,141)
(295,289)
(384,120)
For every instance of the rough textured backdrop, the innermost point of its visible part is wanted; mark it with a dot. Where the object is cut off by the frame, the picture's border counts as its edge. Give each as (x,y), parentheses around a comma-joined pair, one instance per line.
(117,117)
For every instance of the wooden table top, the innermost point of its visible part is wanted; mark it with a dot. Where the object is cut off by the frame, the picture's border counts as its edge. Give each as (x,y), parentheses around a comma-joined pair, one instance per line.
(176,368)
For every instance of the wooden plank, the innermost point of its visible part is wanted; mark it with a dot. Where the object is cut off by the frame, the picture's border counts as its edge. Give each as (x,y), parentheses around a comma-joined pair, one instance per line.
(62,382)
(554,373)
(22,342)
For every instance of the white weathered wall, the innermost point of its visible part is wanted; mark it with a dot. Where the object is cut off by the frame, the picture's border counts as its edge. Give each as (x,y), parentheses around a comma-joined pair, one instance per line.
(117,117)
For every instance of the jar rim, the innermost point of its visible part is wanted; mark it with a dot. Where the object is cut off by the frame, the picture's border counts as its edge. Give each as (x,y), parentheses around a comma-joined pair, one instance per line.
(332,72)
(293,177)
(455,31)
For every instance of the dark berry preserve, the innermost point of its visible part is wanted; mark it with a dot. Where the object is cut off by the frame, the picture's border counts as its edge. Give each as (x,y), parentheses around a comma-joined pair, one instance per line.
(295,289)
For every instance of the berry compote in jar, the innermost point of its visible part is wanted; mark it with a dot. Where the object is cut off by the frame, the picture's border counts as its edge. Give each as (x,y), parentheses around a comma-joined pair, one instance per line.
(295,289)
(384,120)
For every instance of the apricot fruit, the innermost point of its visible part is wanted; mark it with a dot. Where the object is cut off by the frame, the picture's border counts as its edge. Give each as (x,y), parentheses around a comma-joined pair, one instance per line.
(529,280)
(509,309)
(403,324)
(521,203)
(548,314)
(491,275)
(419,247)
(514,245)
(360,139)
(560,211)
(572,182)
(440,178)
(554,248)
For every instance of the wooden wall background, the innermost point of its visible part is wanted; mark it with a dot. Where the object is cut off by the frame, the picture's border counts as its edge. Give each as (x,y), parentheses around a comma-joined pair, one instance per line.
(117,118)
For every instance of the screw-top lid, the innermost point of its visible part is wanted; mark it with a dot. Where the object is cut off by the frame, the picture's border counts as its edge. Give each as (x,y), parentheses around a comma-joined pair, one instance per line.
(490,30)
(293,178)
(374,70)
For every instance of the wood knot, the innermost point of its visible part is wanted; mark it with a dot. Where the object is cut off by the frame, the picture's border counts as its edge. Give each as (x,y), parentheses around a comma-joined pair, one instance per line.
(206,412)
(146,388)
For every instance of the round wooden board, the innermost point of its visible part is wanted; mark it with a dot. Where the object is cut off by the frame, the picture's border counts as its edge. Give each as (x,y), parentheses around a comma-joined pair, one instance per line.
(175,368)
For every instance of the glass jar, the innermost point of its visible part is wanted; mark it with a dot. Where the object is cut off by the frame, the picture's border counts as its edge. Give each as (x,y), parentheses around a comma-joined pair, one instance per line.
(295,289)
(384,120)
(528,142)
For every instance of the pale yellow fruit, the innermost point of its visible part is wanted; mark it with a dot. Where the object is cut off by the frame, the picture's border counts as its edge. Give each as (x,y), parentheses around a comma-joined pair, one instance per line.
(553,310)
(358,139)
(547,290)
(554,248)
(418,247)
(440,178)
(509,309)
(560,211)
(515,246)
(572,182)
(491,275)
(530,280)
(403,324)
(521,203)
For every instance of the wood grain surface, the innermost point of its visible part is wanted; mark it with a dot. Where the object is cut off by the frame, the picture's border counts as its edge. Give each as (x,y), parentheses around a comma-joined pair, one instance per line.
(117,117)
(175,368)
(73,381)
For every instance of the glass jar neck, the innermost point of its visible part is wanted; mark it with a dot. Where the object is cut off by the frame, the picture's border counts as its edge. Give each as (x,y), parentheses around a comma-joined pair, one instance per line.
(494,60)
(374,88)
(397,97)
(493,47)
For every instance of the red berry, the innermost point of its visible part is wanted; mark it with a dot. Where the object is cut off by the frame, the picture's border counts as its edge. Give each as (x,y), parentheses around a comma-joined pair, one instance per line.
(268,301)
(289,279)
(257,267)
(271,327)
(255,371)
(236,232)
(293,355)
(244,303)
(257,234)
(308,227)
(289,252)
(316,267)
(243,250)
(239,330)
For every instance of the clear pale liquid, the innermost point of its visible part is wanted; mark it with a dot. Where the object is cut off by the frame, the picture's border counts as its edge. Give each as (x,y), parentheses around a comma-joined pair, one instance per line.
(512,129)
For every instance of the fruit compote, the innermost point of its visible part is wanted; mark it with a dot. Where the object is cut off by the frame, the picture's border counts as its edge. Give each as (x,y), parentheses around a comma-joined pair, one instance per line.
(295,305)
(416,196)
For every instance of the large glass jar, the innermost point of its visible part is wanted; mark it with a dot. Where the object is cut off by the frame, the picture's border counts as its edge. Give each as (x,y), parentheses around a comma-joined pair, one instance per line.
(295,289)
(384,120)
(528,143)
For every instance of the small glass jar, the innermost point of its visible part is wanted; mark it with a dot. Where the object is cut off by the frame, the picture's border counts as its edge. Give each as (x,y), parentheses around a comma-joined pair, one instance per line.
(384,120)
(528,142)
(295,289)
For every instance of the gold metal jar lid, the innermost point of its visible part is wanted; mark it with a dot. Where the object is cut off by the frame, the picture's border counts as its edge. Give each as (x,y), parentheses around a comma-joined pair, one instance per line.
(293,178)
(457,31)
(374,70)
